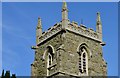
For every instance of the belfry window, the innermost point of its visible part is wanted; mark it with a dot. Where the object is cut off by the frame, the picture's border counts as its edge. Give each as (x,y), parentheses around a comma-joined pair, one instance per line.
(50,55)
(83,61)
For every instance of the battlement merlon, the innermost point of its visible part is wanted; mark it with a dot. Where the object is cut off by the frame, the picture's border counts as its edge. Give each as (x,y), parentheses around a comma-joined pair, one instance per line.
(81,30)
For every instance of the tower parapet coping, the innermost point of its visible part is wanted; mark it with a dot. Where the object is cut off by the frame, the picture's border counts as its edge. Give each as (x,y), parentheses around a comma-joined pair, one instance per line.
(73,22)
(74,27)
(51,31)
(83,30)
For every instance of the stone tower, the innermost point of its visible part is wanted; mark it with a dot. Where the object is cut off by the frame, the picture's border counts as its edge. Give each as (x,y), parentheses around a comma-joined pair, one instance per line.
(68,49)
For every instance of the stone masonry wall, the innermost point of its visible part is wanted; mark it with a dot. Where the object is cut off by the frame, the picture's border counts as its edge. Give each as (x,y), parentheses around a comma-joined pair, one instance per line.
(40,65)
(70,58)
(66,57)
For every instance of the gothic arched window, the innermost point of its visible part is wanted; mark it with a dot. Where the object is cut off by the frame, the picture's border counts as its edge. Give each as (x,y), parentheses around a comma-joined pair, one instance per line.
(50,54)
(83,61)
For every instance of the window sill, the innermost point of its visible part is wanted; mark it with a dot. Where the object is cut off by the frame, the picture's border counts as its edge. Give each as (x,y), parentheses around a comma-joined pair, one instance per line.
(53,65)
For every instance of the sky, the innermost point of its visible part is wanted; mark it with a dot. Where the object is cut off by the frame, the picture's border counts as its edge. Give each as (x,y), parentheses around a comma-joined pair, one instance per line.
(59,0)
(19,21)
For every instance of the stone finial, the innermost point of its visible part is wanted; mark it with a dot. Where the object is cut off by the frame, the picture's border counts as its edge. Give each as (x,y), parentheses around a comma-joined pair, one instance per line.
(64,5)
(64,15)
(99,26)
(39,23)
(98,18)
(38,30)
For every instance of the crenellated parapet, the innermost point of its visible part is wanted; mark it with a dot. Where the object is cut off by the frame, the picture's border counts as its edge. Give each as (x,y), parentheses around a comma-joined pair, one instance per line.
(73,27)
(51,32)
(83,30)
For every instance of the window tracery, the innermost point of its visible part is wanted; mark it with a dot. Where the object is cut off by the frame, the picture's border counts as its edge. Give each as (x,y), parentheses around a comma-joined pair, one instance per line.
(83,61)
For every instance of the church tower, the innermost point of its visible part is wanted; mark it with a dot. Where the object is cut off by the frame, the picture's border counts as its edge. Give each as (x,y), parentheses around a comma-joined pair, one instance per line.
(69,49)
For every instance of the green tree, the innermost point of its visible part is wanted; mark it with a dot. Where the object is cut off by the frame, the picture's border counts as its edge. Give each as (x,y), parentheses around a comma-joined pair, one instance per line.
(2,74)
(7,74)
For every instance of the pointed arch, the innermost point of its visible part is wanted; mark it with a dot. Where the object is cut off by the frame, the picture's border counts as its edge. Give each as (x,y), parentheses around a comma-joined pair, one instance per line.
(49,56)
(86,47)
(84,54)
(49,47)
